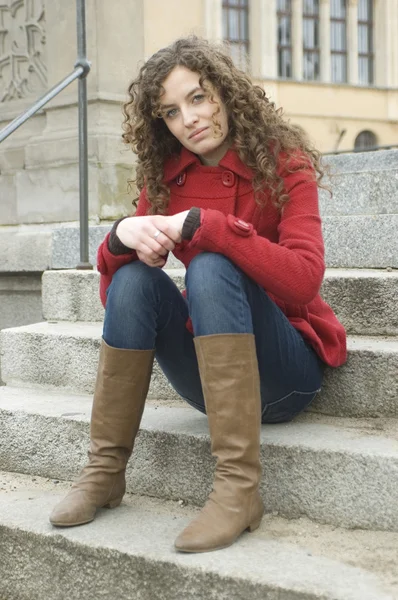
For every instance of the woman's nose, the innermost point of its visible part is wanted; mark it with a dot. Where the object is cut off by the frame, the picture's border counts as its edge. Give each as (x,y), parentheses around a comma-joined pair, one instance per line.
(189,117)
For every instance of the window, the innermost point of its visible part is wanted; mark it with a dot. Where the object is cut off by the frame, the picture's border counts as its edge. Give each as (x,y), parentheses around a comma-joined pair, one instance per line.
(365,140)
(338,40)
(284,16)
(365,41)
(311,56)
(235,20)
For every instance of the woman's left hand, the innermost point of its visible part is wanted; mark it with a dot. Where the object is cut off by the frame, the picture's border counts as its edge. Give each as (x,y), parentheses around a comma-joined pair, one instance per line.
(177,222)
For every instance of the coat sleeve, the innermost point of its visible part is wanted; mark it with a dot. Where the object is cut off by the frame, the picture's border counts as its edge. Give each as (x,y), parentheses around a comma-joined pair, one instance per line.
(108,263)
(291,269)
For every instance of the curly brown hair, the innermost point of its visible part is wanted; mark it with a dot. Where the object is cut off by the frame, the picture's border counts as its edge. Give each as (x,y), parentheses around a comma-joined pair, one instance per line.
(259,131)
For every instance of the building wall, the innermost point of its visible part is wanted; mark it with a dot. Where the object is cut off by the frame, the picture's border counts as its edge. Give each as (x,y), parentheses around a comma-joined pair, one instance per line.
(323,108)
(166,21)
(326,110)
(39,180)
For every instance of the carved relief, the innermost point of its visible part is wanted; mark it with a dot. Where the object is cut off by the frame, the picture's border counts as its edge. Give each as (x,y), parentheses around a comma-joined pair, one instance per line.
(22,46)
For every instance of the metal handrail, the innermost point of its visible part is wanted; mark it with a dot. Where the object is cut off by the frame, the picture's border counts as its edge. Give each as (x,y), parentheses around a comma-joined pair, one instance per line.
(54,91)
(80,72)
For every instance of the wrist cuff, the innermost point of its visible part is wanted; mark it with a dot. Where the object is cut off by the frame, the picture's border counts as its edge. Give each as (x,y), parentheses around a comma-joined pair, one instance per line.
(115,246)
(191,224)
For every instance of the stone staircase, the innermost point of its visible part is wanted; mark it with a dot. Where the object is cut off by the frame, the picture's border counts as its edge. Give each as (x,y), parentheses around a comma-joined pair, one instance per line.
(330,478)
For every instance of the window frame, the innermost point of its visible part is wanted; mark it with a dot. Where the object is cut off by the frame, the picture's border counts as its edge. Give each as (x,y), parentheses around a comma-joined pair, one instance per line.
(333,52)
(370,56)
(284,47)
(239,7)
(316,50)
(366,134)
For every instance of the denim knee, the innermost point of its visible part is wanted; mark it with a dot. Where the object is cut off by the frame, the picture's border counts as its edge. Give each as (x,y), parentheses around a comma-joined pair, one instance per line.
(132,307)
(205,273)
(216,296)
(131,285)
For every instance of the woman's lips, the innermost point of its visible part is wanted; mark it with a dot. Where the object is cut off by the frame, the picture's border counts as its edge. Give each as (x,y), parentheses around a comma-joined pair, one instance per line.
(197,133)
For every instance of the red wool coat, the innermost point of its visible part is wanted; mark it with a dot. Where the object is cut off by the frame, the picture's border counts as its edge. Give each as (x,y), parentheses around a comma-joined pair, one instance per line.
(283,253)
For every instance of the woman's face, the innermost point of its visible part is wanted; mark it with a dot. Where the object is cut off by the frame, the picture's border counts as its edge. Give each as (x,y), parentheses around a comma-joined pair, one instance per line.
(188,111)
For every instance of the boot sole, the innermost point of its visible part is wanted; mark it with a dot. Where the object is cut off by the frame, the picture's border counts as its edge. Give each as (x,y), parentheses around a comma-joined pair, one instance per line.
(71,524)
(250,528)
(112,504)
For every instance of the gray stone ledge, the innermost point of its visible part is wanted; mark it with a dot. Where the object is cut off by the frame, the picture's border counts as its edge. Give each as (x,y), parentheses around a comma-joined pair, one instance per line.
(128,553)
(361,241)
(365,193)
(25,249)
(19,283)
(359,162)
(362,183)
(312,469)
(353,241)
(364,300)
(66,244)
(37,248)
(73,295)
(65,355)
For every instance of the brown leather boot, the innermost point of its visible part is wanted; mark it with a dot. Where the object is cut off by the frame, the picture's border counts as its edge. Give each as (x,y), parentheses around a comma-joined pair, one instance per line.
(231,388)
(121,388)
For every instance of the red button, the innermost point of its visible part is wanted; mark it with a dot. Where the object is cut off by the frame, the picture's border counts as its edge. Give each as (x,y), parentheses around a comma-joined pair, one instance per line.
(228,178)
(181,178)
(242,225)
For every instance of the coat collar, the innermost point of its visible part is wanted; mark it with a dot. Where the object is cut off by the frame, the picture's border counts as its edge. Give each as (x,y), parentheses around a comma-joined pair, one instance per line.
(231,161)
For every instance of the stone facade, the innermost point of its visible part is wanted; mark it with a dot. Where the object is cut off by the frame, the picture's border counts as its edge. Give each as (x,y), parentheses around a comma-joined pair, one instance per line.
(23,69)
(39,162)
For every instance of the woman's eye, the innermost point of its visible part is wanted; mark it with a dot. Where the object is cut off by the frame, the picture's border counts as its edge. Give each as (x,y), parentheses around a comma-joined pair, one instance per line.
(198,97)
(171,113)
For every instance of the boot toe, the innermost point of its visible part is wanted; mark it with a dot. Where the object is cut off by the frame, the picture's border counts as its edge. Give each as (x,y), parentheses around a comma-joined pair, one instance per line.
(185,543)
(72,512)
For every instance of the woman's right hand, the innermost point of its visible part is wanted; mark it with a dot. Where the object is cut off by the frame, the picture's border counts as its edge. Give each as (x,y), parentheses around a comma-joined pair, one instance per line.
(138,233)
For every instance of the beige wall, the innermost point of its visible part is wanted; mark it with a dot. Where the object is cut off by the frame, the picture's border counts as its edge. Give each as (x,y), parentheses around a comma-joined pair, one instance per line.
(166,21)
(38,163)
(323,109)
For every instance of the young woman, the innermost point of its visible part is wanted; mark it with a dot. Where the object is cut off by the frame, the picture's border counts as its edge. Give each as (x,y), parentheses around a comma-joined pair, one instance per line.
(230,187)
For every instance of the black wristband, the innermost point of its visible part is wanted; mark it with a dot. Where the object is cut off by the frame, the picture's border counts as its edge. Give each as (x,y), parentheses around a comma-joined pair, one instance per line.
(191,224)
(115,246)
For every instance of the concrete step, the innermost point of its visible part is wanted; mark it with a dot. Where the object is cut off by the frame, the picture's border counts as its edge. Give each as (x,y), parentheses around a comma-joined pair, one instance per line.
(337,471)
(65,355)
(351,241)
(365,187)
(363,183)
(20,299)
(38,247)
(128,553)
(73,295)
(365,300)
(361,241)
(364,241)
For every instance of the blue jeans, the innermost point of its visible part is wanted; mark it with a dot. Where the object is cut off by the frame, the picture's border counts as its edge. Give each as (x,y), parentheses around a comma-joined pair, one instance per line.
(146,310)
